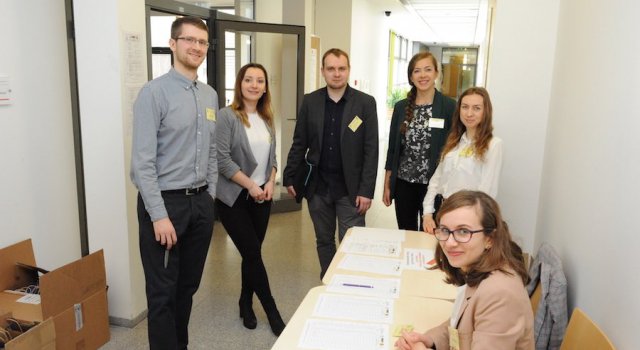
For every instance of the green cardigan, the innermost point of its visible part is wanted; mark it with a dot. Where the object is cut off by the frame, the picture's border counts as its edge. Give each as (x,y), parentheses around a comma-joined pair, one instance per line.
(443,107)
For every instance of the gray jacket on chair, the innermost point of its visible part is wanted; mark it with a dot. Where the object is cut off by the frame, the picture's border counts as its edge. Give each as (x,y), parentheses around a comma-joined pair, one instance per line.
(550,321)
(234,154)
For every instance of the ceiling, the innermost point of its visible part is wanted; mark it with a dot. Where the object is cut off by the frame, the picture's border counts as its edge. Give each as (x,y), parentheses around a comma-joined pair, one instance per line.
(441,21)
(452,21)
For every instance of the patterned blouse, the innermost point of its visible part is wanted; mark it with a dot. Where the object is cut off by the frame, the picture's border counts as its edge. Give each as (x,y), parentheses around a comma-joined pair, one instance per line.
(414,154)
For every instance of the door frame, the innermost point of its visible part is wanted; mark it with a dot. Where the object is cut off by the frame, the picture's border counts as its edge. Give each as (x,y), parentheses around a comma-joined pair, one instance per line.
(221,24)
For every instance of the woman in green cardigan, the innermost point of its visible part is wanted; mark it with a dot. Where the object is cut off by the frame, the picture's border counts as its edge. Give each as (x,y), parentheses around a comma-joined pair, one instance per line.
(419,128)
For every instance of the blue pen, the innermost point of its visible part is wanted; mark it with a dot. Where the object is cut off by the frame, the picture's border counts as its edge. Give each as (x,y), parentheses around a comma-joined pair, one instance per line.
(356,285)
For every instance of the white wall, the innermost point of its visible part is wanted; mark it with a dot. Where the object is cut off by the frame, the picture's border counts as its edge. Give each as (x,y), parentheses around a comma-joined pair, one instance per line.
(37,183)
(370,56)
(519,82)
(590,187)
(105,106)
(333,25)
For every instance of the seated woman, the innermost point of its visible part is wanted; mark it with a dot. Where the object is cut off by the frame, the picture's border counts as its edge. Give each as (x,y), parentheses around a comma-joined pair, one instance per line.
(472,156)
(492,309)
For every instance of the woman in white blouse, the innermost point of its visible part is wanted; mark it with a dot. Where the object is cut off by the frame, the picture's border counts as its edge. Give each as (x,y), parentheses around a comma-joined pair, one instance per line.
(471,158)
(246,174)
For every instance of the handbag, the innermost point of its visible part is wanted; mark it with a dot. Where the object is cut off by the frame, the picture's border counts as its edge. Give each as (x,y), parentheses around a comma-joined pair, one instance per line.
(302,179)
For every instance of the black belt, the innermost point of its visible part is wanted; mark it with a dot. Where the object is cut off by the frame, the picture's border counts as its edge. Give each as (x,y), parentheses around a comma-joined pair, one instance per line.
(188,191)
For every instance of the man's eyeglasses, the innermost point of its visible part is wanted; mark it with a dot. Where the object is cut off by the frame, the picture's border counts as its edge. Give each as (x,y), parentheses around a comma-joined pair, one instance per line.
(192,41)
(461,235)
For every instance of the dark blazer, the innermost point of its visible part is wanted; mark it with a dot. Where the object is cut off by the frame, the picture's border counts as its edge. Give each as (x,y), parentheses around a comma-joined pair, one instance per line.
(359,148)
(443,107)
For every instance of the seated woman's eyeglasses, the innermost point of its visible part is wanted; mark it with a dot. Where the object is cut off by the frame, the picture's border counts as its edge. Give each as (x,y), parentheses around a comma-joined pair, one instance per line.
(192,41)
(461,235)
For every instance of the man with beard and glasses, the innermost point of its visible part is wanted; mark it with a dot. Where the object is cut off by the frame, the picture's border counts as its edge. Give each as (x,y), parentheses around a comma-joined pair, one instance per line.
(174,167)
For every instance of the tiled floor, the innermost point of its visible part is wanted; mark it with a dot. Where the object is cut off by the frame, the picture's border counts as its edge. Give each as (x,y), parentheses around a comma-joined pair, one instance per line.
(291,260)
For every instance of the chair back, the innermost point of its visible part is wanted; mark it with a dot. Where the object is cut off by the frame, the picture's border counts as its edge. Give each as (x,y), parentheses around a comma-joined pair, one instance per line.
(582,333)
(535,298)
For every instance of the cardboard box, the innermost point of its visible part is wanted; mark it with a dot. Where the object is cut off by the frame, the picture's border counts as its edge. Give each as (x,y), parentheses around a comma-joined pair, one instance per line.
(74,296)
(42,336)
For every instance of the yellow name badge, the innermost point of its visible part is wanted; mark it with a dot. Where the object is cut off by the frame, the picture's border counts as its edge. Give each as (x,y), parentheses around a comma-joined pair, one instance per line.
(466,152)
(211,114)
(355,123)
(400,328)
(454,339)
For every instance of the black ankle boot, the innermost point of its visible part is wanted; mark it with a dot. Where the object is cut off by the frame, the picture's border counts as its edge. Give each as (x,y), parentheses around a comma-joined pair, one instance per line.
(247,315)
(273,315)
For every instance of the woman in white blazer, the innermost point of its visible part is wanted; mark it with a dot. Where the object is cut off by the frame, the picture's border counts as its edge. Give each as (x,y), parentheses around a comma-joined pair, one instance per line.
(246,173)
(471,158)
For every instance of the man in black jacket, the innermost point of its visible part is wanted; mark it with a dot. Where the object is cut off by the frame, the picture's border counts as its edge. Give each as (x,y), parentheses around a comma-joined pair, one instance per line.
(337,130)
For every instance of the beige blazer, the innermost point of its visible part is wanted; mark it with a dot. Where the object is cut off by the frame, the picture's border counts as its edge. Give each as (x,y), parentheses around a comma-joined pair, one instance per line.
(494,315)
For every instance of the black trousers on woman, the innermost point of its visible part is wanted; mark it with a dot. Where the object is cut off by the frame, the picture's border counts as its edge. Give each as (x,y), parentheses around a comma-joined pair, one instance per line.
(246,223)
(408,199)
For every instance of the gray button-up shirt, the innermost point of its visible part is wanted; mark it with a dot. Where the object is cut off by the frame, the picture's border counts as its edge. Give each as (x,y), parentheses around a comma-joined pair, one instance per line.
(173,139)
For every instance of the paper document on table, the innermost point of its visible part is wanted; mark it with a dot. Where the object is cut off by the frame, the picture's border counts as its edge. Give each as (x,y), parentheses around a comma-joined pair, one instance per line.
(383,234)
(369,286)
(371,264)
(355,308)
(418,259)
(371,247)
(338,335)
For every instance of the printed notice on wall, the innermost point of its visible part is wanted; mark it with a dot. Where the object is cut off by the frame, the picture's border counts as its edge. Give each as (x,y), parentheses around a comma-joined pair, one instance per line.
(134,58)
(135,77)
(5,90)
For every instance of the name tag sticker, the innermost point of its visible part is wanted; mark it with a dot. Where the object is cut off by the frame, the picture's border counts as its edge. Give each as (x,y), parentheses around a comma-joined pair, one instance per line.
(400,328)
(466,152)
(454,339)
(355,123)
(211,114)
(436,123)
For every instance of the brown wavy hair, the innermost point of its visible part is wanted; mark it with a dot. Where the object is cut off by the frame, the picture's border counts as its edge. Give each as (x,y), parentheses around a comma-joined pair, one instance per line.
(504,254)
(264,103)
(484,134)
(411,95)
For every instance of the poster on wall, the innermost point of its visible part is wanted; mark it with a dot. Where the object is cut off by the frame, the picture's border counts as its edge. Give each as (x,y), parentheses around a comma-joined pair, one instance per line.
(5,91)
(135,77)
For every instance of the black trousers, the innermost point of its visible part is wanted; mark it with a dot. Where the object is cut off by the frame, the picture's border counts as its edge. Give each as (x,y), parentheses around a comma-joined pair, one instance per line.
(408,199)
(170,290)
(246,223)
